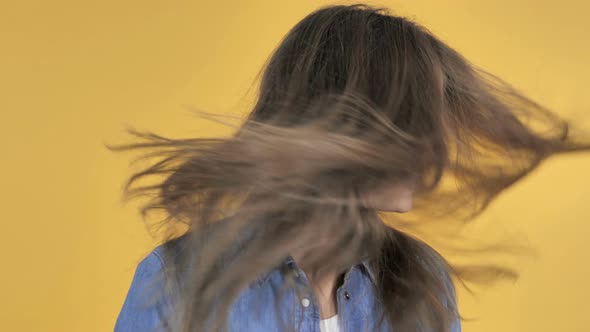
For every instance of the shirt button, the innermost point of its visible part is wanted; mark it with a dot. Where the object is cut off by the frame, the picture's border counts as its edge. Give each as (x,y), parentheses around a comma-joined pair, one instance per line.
(305,302)
(346,295)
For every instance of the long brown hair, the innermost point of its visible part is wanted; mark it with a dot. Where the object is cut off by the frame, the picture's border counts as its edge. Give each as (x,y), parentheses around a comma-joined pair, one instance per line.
(353,96)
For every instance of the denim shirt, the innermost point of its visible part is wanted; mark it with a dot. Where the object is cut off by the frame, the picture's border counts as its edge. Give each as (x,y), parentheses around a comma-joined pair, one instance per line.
(358,308)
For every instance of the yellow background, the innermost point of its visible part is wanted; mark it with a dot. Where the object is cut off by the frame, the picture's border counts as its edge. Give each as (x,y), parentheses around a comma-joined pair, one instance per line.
(74,73)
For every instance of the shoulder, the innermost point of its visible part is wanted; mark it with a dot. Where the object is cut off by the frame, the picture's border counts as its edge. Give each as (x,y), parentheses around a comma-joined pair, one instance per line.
(146,303)
(153,268)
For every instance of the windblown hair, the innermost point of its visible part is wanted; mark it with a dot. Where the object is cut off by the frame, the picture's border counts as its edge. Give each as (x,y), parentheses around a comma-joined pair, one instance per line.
(352,97)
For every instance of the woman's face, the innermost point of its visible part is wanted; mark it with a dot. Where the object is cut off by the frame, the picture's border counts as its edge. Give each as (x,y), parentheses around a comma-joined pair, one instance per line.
(391,197)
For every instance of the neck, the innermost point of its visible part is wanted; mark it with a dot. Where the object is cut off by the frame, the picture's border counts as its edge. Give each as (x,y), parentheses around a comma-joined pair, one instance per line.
(324,288)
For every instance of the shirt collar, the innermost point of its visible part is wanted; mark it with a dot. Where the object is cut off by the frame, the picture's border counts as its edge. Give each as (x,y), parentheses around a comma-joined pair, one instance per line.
(289,263)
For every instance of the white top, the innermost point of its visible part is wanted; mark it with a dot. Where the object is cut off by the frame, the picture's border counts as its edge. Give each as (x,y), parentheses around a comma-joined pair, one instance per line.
(330,324)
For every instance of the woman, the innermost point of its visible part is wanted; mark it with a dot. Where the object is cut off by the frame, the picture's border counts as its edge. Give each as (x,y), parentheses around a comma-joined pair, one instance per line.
(359,113)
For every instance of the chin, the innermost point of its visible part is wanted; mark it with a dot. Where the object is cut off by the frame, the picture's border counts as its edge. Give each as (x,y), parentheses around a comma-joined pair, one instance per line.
(398,208)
